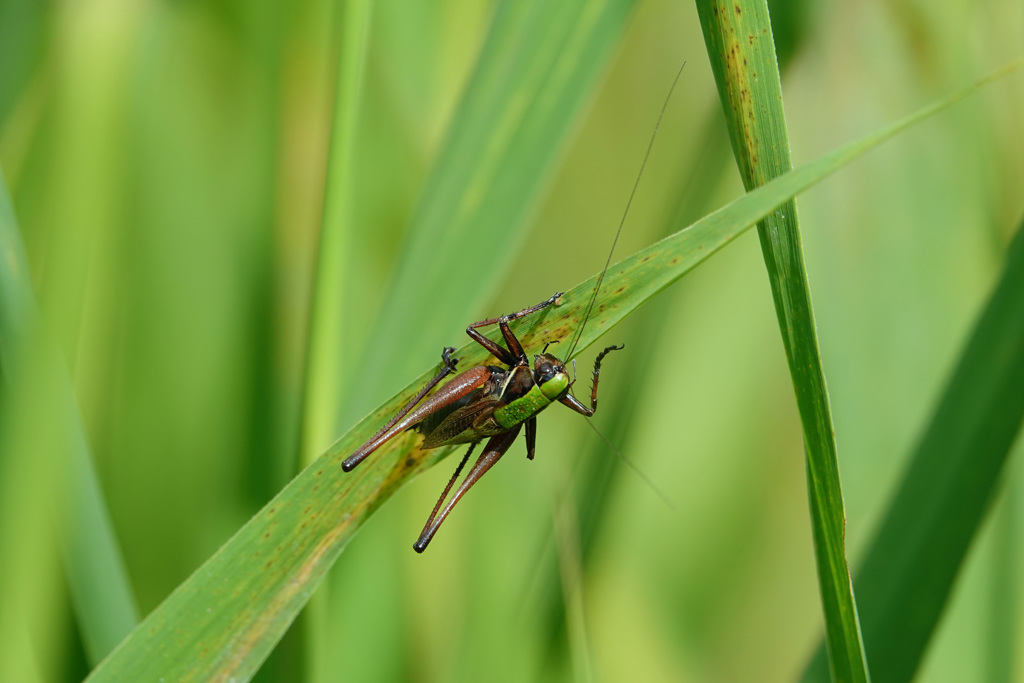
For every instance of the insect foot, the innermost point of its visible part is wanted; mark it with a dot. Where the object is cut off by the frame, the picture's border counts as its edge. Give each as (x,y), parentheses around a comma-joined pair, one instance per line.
(447,361)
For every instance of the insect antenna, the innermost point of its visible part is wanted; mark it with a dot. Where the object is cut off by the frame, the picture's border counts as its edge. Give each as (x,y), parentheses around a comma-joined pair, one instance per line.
(636,470)
(629,202)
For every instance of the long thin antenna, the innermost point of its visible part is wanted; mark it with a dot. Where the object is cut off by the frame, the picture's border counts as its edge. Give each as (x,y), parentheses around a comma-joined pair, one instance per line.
(636,470)
(647,154)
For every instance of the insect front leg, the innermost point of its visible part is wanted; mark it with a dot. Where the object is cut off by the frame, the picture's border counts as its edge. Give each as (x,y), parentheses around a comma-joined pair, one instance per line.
(570,401)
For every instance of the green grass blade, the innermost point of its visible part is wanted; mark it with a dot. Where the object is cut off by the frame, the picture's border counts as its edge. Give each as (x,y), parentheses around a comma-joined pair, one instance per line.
(223,621)
(742,52)
(99,586)
(913,561)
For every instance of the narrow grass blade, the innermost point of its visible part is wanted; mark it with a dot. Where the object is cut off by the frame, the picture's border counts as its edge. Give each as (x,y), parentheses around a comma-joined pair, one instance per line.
(913,561)
(326,339)
(742,52)
(102,596)
(225,618)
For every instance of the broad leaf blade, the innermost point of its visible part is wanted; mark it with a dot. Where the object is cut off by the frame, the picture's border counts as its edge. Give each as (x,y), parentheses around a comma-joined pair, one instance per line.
(225,618)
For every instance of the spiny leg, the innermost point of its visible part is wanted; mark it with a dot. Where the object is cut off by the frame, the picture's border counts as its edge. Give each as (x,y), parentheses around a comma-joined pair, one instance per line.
(515,353)
(531,437)
(495,448)
(570,401)
(597,373)
(447,367)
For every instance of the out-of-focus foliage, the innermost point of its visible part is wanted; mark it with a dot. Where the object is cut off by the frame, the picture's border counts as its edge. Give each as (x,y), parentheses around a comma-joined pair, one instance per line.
(166,164)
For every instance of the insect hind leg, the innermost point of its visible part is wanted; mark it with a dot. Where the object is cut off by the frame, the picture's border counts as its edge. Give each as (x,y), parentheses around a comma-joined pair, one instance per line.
(496,447)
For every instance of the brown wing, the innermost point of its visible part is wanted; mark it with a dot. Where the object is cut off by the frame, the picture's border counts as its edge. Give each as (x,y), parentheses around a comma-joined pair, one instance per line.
(460,421)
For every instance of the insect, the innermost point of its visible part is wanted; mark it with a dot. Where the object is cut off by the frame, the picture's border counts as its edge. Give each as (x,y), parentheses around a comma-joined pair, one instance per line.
(491,402)
(485,402)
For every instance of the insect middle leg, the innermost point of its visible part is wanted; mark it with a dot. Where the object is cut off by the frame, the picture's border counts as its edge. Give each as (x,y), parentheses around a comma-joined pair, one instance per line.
(531,437)
(515,353)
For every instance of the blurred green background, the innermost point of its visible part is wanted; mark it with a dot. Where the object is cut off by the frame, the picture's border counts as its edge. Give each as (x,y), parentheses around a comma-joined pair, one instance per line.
(166,163)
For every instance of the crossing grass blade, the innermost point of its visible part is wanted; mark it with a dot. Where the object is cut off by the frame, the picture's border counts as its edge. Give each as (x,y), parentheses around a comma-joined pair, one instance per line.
(912,563)
(742,52)
(223,621)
